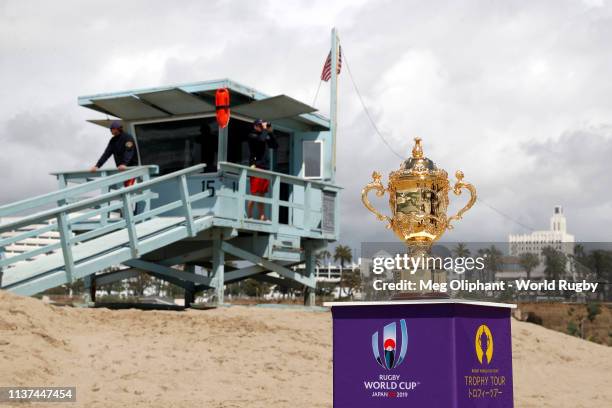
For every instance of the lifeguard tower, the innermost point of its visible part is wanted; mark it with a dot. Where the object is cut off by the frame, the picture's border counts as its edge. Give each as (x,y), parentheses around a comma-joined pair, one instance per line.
(192,191)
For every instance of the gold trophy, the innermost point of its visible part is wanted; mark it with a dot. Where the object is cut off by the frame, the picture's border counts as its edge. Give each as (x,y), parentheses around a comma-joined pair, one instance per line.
(418,198)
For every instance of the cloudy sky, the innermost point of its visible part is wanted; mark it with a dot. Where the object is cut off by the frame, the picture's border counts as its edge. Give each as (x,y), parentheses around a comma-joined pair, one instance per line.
(518,95)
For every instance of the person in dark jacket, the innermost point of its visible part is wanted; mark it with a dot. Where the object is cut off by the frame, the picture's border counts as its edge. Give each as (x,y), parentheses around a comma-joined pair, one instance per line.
(122,147)
(260,140)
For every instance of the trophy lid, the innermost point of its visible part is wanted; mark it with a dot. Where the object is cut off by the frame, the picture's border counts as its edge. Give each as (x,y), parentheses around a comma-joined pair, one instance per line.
(418,163)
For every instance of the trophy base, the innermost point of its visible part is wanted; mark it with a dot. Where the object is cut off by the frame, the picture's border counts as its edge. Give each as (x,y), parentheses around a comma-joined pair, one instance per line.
(419,296)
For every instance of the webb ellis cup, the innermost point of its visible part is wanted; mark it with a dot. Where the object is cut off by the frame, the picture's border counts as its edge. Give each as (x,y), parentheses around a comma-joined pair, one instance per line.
(418,199)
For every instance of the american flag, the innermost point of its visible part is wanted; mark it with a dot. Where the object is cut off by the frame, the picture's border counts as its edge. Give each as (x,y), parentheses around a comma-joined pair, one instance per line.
(326,74)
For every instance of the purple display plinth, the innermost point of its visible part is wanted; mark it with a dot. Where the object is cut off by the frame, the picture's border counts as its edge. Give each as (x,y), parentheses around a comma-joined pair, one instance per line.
(422,353)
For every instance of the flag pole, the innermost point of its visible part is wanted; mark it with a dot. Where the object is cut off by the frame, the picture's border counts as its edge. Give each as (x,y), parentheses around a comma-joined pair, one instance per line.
(333,105)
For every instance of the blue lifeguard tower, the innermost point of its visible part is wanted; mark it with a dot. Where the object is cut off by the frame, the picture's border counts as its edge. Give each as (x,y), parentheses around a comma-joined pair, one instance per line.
(192,190)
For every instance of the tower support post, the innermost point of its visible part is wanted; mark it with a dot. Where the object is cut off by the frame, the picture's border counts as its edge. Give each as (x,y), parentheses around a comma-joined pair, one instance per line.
(309,293)
(218,267)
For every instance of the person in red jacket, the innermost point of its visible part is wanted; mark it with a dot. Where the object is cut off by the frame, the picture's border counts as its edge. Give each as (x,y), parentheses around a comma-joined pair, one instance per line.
(260,140)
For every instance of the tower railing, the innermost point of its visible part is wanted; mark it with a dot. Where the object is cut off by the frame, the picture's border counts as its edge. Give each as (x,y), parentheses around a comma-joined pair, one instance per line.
(126,201)
(98,182)
(317,201)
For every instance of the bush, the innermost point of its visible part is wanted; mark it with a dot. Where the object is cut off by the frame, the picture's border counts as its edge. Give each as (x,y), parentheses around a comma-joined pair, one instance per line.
(507,295)
(572,329)
(593,309)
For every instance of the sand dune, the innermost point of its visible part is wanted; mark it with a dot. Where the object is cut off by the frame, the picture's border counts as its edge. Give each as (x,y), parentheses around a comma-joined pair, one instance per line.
(241,356)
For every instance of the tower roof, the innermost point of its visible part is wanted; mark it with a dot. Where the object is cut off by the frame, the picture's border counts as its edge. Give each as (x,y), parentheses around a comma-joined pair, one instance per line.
(199,97)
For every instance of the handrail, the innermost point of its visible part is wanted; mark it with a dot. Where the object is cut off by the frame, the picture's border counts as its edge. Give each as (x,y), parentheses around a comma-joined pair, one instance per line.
(308,221)
(81,217)
(293,179)
(102,171)
(94,249)
(63,194)
(77,264)
(95,200)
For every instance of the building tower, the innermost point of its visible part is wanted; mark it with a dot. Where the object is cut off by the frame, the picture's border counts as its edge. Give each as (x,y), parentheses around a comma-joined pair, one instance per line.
(558,222)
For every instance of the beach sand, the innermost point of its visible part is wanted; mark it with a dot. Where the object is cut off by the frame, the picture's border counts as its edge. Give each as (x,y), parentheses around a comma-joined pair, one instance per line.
(241,357)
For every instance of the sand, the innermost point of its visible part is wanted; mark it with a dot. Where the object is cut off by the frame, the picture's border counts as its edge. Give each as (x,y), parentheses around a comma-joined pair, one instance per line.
(241,357)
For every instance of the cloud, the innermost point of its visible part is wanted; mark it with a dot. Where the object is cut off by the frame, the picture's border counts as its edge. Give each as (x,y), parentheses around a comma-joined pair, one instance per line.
(35,144)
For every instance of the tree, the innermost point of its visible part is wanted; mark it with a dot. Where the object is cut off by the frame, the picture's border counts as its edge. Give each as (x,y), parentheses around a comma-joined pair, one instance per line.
(325,289)
(528,261)
(343,254)
(461,250)
(492,260)
(139,284)
(593,309)
(495,260)
(555,262)
(255,288)
(350,280)
(234,288)
(580,261)
(579,252)
(322,257)
(116,286)
(600,262)
(572,329)
(174,291)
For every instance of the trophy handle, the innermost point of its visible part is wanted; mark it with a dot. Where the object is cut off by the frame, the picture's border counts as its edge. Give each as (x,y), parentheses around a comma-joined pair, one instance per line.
(457,190)
(380,191)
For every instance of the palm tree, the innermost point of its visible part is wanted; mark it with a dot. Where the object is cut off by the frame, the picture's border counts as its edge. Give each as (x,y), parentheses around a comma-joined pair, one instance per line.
(493,261)
(343,254)
(323,256)
(528,262)
(482,253)
(461,250)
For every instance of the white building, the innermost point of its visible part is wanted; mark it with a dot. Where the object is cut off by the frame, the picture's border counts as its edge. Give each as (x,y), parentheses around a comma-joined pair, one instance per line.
(556,237)
(329,272)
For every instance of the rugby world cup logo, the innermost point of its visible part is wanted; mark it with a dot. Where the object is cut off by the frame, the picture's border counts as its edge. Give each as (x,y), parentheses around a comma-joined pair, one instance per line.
(390,358)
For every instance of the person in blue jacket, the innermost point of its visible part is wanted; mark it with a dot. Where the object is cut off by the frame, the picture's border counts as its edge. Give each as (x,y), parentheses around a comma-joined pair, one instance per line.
(122,147)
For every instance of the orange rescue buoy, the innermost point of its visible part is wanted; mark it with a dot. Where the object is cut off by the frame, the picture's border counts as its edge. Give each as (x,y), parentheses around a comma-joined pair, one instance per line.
(222,103)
